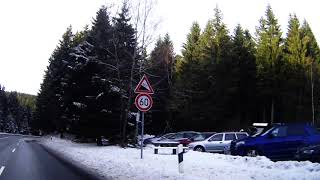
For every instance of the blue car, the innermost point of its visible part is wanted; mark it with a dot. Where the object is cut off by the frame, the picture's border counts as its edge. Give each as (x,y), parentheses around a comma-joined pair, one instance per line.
(280,142)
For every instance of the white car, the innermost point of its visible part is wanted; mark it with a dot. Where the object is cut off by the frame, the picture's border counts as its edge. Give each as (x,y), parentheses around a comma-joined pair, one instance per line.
(219,142)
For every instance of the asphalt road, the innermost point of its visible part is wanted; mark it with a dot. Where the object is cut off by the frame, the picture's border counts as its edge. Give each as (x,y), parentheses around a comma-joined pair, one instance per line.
(21,157)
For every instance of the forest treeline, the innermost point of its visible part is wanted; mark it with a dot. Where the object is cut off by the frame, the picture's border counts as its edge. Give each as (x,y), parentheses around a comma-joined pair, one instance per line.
(222,80)
(16,111)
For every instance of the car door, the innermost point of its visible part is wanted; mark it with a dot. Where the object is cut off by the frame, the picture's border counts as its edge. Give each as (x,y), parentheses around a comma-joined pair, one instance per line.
(215,143)
(295,139)
(273,144)
(228,137)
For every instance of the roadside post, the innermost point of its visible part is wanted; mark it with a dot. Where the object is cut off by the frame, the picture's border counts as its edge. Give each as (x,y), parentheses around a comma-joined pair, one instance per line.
(143,102)
(180,158)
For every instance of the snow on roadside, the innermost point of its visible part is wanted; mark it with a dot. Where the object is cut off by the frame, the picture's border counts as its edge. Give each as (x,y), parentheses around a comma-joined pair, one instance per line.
(118,163)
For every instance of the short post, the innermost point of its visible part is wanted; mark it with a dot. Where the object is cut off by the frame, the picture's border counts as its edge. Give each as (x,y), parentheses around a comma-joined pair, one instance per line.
(180,158)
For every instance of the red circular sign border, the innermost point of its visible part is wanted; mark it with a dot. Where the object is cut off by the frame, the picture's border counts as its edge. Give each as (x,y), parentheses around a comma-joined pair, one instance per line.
(137,104)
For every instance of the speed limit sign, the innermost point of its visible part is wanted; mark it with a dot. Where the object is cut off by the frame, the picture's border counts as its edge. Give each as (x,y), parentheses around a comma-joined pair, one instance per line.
(143,102)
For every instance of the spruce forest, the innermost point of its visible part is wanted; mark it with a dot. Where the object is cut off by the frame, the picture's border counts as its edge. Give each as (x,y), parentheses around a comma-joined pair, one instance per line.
(223,80)
(16,112)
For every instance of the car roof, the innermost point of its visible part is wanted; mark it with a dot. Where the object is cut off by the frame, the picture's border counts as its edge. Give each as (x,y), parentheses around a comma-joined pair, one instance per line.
(232,132)
(187,132)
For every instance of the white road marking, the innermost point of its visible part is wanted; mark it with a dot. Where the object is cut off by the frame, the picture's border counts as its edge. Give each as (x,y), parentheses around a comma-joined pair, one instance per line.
(4,138)
(14,150)
(1,169)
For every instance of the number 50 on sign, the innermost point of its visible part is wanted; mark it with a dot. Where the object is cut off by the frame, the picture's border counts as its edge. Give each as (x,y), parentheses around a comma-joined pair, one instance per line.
(143,102)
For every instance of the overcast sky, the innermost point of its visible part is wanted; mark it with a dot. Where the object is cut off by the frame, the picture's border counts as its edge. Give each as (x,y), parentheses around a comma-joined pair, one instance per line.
(31,29)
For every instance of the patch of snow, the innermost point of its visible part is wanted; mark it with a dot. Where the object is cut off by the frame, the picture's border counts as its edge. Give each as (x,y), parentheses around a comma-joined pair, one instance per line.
(105,111)
(115,88)
(79,105)
(125,163)
(99,95)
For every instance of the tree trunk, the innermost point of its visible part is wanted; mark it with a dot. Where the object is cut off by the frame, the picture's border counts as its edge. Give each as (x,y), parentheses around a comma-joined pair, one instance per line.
(264,114)
(272,111)
(312,99)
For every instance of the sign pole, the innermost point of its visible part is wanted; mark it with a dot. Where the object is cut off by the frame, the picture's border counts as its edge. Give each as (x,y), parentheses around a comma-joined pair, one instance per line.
(142,129)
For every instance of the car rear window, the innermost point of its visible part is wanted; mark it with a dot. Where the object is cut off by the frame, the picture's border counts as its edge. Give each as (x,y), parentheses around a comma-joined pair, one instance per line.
(241,135)
(229,137)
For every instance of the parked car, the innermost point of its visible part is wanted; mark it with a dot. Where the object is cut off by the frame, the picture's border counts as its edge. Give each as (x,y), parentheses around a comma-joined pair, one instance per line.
(279,142)
(184,138)
(258,128)
(202,136)
(157,138)
(311,153)
(219,142)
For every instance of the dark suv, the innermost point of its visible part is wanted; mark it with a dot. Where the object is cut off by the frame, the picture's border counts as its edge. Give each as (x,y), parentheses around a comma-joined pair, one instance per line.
(279,142)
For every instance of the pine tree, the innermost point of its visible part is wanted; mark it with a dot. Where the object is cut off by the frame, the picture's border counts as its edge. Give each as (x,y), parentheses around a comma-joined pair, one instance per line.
(313,56)
(244,77)
(188,80)
(294,72)
(269,62)
(49,107)
(126,57)
(161,68)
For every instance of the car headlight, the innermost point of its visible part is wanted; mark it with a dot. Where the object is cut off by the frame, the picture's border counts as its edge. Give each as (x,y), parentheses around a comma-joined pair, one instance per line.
(240,143)
(310,151)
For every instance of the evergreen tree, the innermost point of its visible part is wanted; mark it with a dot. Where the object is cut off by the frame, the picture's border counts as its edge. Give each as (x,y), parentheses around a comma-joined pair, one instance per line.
(161,69)
(313,57)
(187,86)
(244,77)
(269,64)
(49,99)
(126,57)
(294,73)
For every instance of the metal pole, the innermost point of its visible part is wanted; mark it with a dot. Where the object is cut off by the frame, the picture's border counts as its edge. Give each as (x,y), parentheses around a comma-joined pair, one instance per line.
(137,127)
(142,129)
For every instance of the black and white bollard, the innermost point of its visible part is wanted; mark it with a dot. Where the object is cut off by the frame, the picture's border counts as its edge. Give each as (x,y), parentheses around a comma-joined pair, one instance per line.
(180,158)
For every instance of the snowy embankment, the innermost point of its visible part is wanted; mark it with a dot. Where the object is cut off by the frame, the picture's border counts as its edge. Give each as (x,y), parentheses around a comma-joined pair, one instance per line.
(118,163)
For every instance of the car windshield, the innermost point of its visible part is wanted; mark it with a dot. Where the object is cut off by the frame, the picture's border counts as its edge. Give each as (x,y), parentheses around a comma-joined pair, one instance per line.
(265,133)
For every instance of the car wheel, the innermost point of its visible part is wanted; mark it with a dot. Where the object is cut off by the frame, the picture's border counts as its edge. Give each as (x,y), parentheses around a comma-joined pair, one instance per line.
(252,153)
(199,149)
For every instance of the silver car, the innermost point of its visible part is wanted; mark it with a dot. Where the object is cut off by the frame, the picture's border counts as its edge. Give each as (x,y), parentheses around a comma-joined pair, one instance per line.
(219,142)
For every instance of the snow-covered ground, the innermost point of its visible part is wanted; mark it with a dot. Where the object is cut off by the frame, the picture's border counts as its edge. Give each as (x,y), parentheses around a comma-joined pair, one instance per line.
(118,163)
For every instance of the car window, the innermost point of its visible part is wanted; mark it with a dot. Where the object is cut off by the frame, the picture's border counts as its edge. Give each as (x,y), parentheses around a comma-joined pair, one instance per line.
(207,135)
(280,131)
(176,136)
(189,135)
(241,135)
(167,135)
(217,137)
(229,137)
(296,131)
(199,137)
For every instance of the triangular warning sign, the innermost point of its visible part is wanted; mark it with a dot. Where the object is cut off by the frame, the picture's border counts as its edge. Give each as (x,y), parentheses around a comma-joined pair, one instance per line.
(144,86)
